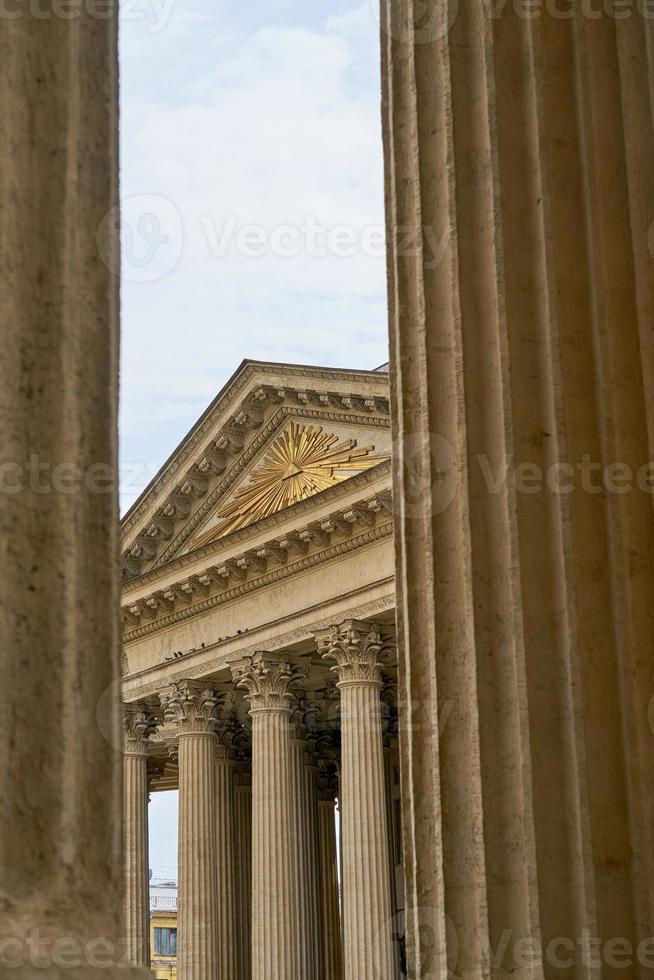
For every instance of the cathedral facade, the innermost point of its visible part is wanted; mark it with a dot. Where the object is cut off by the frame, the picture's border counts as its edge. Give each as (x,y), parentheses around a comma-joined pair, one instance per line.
(260,680)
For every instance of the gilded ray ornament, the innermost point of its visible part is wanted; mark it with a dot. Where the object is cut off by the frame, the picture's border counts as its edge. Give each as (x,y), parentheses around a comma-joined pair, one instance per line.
(301,462)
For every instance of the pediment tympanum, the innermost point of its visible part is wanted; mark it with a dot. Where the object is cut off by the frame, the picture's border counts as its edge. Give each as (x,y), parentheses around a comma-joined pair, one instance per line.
(301,461)
(230,470)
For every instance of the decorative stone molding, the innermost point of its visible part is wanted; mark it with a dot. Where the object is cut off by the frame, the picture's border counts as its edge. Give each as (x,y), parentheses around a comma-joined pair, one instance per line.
(284,640)
(226,733)
(156,768)
(181,560)
(139,725)
(190,706)
(259,581)
(223,486)
(355,648)
(327,780)
(232,402)
(269,682)
(195,482)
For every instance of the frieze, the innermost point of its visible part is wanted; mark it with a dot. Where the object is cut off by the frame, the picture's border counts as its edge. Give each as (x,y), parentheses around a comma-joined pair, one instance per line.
(361,612)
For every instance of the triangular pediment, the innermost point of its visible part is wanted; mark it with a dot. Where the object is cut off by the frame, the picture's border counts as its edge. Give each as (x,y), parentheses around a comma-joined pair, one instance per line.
(275,435)
(301,460)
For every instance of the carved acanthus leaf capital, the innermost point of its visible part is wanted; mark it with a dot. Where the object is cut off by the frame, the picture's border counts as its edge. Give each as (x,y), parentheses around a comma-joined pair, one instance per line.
(355,649)
(303,718)
(226,733)
(190,707)
(327,780)
(269,681)
(139,725)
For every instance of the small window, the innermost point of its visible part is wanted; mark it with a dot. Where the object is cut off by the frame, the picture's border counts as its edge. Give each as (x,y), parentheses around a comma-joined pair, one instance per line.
(165,942)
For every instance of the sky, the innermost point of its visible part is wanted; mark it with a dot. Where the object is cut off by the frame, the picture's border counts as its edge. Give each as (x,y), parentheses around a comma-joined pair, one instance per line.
(252,215)
(252,203)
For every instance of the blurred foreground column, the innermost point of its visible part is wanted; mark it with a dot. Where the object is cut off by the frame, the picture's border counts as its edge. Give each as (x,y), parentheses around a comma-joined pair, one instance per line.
(520,196)
(61,768)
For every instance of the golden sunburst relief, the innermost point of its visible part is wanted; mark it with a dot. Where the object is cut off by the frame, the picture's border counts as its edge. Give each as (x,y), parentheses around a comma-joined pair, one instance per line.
(301,462)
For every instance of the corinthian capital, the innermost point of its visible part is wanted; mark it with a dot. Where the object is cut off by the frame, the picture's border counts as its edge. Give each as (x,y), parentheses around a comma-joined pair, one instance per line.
(355,649)
(190,707)
(139,725)
(268,680)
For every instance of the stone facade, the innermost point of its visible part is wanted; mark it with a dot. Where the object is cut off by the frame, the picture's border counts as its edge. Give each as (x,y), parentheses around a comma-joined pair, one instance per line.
(271,547)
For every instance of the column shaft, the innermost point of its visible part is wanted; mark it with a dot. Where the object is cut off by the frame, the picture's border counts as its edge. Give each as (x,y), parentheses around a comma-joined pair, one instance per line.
(197,916)
(313,869)
(268,681)
(367,917)
(521,374)
(332,957)
(243,820)
(61,778)
(274,923)
(225,848)
(137,888)
(303,803)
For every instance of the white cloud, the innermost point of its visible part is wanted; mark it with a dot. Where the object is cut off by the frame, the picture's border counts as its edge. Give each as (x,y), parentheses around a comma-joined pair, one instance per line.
(265,125)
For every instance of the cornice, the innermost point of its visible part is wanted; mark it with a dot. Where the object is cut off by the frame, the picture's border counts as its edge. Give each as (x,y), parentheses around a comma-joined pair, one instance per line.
(225,403)
(370,536)
(214,549)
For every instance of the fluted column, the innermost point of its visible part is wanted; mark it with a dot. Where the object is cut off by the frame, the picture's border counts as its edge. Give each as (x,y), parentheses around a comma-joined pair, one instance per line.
(367,917)
(191,707)
(243,821)
(332,956)
(225,849)
(520,163)
(268,681)
(138,726)
(61,767)
(305,870)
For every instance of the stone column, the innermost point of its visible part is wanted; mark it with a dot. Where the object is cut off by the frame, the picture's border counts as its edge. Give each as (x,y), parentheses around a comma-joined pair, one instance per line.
(243,822)
(520,163)
(138,726)
(305,869)
(191,707)
(268,681)
(332,956)
(61,766)
(367,918)
(225,849)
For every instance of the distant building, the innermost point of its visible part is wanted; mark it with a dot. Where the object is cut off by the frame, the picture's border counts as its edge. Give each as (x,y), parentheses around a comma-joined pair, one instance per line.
(163,930)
